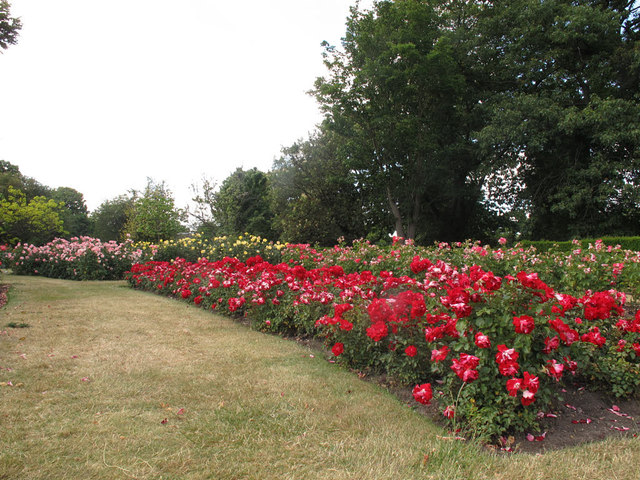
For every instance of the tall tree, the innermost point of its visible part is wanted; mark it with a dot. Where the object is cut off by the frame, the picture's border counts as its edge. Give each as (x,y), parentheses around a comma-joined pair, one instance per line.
(35,221)
(75,215)
(242,205)
(110,218)
(154,216)
(204,211)
(73,210)
(314,195)
(10,175)
(9,26)
(563,112)
(396,91)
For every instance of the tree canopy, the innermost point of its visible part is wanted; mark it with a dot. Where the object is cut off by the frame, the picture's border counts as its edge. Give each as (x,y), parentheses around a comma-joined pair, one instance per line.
(314,196)
(460,118)
(562,110)
(36,221)
(110,218)
(153,215)
(240,205)
(9,26)
(25,192)
(74,213)
(397,93)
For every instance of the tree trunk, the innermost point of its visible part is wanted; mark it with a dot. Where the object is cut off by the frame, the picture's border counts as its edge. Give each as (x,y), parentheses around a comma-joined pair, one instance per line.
(396,214)
(415,216)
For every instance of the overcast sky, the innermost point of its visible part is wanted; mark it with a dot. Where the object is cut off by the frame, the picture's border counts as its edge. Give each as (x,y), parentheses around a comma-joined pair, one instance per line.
(99,95)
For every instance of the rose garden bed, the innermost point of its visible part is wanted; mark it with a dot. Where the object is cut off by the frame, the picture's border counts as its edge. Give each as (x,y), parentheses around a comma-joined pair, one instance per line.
(486,340)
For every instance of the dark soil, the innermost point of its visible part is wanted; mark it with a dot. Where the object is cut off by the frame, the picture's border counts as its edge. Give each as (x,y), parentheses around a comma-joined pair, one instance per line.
(579,417)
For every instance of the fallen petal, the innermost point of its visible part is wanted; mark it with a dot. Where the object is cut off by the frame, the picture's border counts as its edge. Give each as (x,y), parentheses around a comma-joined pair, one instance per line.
(582,420)
(617,412)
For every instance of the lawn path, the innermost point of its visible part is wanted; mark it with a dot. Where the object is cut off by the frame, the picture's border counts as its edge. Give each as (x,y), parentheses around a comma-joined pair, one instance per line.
(110,383)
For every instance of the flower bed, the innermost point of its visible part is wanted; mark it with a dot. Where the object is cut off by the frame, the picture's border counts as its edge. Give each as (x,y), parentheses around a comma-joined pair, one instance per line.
(80,258)
(198,246)
(484,331)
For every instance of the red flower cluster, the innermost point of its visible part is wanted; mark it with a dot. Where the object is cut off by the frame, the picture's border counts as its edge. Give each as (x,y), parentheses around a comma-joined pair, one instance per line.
(555,369)
(594,336)
(528,385)
(507,360)
(411,351)
(465,367)
(532,281)
(600,305)
(567,334)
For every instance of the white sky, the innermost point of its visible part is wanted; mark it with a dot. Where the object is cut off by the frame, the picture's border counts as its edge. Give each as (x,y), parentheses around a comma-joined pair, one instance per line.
(98,95)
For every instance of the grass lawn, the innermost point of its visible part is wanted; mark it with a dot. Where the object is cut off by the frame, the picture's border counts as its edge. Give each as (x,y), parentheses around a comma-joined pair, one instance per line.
(111,383)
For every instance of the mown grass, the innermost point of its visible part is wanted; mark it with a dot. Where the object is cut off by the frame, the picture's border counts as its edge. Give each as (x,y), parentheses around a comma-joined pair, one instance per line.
(111,383)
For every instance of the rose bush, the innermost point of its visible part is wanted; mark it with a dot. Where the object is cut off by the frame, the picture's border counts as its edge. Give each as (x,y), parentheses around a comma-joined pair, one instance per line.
(80,258)
(493,348)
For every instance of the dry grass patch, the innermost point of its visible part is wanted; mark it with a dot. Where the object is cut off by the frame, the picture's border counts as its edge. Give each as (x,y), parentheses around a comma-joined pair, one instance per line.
(112,383)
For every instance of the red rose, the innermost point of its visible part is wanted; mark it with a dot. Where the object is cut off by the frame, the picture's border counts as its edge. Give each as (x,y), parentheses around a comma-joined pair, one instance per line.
(411,351)
(422,393)
(438,355)
(523,324)
(482,341)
